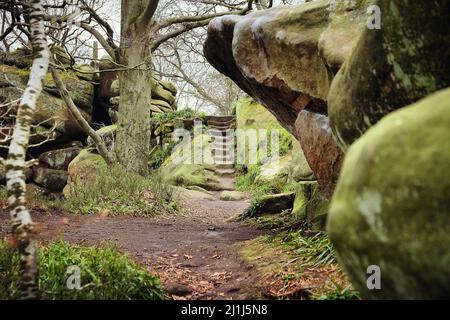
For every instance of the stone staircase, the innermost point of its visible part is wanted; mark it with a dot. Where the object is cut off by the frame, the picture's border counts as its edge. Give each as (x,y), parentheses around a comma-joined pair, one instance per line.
(222,144)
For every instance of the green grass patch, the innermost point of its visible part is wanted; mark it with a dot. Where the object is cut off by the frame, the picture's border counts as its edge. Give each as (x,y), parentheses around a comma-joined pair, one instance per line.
(108,191)
(112,191)
(169,117)
(106,274)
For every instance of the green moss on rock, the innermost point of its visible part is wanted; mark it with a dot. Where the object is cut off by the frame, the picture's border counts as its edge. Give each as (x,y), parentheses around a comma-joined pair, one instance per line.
(392,67)
(391,207)
(180,168)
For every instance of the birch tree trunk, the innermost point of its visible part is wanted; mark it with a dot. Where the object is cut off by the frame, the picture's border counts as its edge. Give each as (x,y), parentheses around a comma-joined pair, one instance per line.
(22,225)
(133,128)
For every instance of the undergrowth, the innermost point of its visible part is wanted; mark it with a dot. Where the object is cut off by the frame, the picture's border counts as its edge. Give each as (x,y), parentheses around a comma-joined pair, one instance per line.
(304,267)
(168,117)
(112,191)
(109,191)
(105,273)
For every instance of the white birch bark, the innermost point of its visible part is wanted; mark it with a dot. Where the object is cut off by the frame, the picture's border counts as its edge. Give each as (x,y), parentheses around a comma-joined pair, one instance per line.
(22,225)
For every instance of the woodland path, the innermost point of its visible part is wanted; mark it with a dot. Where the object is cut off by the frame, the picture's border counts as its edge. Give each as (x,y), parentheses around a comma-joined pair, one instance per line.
(195,253)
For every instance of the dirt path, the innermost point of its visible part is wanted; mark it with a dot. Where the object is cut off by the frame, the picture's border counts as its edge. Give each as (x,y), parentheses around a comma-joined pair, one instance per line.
(195,254)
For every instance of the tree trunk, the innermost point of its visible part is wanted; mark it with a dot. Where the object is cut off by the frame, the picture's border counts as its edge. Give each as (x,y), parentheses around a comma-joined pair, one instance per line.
(22,225)
(133,128)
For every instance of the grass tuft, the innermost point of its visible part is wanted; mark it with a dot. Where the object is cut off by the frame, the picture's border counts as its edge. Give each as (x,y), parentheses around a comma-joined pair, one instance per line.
(106,274)
(297,266)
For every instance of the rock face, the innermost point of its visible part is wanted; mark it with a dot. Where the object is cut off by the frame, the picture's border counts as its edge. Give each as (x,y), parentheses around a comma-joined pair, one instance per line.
(310,206)
(107,134)
(53,125)
(51,111)
(286,58)
(81,169)
(391,207)
(54,128)
(58,159)
(291,165)
(392,67)
(271,204)
(181,169)
(323,73)
(232,196)
(318,144)
(52,180)
(163,92)
(51,172)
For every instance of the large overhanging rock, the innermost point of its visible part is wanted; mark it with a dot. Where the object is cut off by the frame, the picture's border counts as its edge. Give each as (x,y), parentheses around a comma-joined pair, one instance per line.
(286,57)
(391,207)
(404,61)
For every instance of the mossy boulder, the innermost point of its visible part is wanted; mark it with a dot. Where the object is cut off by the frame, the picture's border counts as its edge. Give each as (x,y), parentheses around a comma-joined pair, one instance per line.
(299,168)
(107,134)
(270,204)
(82,169)
(182,169)
(86,72)
(189,194)
(311,206)
(169,86)
(51,180)
(288,168)
(404,61)
(391,207)
(232,196)
(293,164)
(81,91)
(58,159)
(159,92)
(51,111)
(187,175)
(109,86)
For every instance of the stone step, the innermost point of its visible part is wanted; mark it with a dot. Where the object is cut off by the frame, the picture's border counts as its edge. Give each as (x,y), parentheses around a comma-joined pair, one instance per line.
(225,172)
(223,160)
(221,133)
(225,166)
(224,128)
(220,140)
(219,118)
(213,123)
(222,152)
(225,148)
